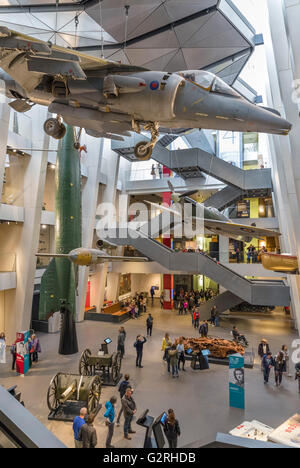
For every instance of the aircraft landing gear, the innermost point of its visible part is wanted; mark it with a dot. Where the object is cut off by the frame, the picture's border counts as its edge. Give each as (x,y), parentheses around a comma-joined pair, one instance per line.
(55,128)
(143,149)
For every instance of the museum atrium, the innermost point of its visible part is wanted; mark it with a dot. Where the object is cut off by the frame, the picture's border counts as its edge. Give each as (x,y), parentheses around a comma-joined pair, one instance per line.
(149,183)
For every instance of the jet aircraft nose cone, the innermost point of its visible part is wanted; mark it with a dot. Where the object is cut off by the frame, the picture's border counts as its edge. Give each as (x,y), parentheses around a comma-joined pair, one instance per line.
(266,121)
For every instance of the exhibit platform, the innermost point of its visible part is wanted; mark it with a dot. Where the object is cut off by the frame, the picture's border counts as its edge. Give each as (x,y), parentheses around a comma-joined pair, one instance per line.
(248,356)
(69,410)
(112,313)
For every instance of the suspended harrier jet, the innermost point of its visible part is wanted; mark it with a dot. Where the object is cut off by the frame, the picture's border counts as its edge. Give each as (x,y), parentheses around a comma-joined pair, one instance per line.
(109,99)
(87,257)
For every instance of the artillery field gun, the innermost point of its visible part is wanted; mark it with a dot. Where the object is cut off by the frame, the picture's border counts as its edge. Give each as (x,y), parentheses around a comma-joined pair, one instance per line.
(68,393)
(106,366)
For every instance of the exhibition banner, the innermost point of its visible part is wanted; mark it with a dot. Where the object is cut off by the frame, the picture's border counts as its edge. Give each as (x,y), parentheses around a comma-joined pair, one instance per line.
(236,381)
(22,359)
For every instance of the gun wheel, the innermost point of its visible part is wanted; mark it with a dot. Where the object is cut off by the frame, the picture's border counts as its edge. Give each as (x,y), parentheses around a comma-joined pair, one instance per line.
(84,367)
(143,152)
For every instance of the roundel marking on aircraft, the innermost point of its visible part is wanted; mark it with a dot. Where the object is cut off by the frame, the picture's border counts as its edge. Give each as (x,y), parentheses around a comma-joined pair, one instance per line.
(154,85)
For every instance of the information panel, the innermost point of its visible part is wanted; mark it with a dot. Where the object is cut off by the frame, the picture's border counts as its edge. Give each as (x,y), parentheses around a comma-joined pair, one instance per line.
(236,381)
(22,361)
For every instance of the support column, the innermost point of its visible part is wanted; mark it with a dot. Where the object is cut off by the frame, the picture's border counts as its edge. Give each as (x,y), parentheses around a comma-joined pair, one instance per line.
(89,207)
(224,249)
(4,125)
(34,182)
(168,280)
(283,48)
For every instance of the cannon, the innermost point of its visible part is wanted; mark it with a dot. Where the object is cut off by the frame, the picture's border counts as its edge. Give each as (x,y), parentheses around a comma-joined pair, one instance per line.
(68,393)
(107,366)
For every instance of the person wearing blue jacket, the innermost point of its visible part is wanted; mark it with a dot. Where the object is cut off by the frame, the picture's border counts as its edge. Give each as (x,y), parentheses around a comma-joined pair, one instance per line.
(267,364)
(110,420)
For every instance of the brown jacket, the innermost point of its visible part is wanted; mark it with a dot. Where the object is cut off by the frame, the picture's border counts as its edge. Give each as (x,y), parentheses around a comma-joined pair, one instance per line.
(88,436)
(128,405)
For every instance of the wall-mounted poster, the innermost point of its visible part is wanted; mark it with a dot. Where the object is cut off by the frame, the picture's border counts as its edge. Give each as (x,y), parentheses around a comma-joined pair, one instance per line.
(22,361)
(125,284)
(236,381)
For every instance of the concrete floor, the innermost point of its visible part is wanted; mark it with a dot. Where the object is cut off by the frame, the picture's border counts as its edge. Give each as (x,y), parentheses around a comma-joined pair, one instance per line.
(200,399)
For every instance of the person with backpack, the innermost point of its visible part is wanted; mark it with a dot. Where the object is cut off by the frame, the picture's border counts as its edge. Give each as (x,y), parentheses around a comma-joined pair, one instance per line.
(122,389)
(149,323)
(139,344)
(172,429)
(203,329)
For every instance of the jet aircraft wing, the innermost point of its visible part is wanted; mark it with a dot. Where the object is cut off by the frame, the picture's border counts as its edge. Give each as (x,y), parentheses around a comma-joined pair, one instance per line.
(237,230)
(27,60)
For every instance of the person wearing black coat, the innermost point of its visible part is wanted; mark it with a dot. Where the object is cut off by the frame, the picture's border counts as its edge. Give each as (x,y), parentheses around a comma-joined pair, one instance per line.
(172,429)
(139,344)
(263,349)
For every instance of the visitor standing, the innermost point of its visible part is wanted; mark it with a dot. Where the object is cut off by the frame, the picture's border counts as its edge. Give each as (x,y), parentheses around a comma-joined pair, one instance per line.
(279,366)
(87,433)
(121,342)
(129,408)
(13,352)
(110,420)
(173,354)
(181,356)
(36,348)
(203,330)
(2,349)
(149,323)
(139,345)
(152,292)
(172,429)
(77,423)
(122,389)
(286,353)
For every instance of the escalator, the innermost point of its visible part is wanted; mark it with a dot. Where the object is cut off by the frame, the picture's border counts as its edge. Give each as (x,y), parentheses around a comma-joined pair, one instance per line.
(270,293)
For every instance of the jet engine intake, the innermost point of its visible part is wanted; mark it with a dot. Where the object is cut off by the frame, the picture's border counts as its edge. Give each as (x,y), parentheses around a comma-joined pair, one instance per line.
(115,84)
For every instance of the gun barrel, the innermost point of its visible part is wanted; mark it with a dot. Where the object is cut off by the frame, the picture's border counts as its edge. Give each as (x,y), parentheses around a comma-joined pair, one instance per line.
(68,392)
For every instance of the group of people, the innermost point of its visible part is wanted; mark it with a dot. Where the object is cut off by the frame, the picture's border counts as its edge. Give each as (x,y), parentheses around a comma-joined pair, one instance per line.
(138,305)
(85,434)
(157,171)
(173,354)
(253,254)
(279,362)
(34,349)
(184,301)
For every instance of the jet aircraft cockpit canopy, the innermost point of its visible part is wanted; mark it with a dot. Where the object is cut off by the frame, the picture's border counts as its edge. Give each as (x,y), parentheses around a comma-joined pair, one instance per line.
(209,82)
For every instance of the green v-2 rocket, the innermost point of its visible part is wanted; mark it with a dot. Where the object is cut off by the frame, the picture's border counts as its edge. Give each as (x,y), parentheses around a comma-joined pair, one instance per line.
(59,282)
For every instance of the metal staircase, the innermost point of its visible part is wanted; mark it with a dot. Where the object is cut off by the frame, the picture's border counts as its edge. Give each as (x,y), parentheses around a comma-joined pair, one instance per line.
(253,292)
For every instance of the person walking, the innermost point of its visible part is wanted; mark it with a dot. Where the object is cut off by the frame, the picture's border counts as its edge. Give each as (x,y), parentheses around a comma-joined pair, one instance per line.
(172,429)
(110,420)
(149,323)
(173,354)
(153,172)
(121,342)
(77,423)
(122,389)
(161,299)
(129,408)
(88,434)
(181,356)
(139,345)
(164,344)
(180,309)
(263,349)
(2,349)
(297,374)
(279,368)
(217,317)
(267,363)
